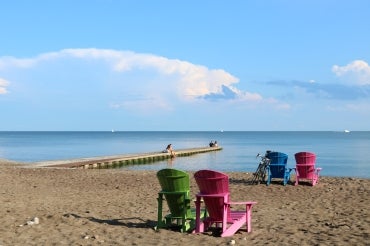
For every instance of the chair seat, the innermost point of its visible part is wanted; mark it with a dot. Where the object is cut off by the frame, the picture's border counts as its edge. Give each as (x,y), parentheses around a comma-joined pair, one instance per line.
(231,218)
(236,215)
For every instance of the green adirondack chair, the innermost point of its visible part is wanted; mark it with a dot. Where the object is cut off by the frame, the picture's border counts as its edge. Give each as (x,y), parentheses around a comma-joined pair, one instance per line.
(175,186)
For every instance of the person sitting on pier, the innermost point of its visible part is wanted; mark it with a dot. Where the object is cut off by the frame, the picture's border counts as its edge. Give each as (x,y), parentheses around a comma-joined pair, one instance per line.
(213,144)
(170,150)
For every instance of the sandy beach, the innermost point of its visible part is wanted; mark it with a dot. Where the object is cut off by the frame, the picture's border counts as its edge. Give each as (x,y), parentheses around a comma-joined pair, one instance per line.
(119,207)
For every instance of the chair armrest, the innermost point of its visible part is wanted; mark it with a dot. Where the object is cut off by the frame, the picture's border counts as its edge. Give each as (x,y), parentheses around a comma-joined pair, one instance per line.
(212,195)
(241,203)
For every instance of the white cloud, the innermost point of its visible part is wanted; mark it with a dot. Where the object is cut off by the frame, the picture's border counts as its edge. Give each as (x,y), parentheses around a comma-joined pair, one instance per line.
(356,72)
(193,80)
(246,96)
(3,85)
(142,82)
(9,62)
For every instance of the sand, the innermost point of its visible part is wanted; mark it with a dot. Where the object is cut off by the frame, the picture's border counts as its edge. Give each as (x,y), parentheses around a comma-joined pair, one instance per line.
(119,207)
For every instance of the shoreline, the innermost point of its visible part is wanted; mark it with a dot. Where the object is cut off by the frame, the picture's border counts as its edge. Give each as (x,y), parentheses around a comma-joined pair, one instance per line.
(61,164)
(119,207)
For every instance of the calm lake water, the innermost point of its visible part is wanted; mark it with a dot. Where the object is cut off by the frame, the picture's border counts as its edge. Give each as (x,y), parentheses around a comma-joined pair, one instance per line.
(338,153)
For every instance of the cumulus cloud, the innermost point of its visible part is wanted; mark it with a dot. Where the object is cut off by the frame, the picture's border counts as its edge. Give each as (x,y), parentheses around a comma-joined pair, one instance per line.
(356,72)
(232,93)
(3,86)
(155,81)
(192,80)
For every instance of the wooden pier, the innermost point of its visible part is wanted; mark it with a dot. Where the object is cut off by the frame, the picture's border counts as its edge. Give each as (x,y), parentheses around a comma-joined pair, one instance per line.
(123,160)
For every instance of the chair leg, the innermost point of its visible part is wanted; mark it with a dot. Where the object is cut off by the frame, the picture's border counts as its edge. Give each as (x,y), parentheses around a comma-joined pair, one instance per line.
(296,176)
(249,217)
(160,223)
(268,180)
(224,219)
(314,180)
(185,225)
(199,225)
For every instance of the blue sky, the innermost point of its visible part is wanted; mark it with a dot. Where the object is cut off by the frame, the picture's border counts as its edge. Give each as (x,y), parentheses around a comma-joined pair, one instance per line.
(185,65)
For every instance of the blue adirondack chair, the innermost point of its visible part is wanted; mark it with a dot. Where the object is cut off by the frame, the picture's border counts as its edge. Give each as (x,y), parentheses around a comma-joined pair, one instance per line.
(278,167)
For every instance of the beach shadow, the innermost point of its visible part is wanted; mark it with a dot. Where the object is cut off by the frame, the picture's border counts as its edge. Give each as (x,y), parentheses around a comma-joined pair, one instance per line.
(248,181)
(127,222)
(304,183)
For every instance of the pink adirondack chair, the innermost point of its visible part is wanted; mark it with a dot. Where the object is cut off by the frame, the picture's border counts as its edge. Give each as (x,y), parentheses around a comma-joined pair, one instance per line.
(305,168)
(214,190)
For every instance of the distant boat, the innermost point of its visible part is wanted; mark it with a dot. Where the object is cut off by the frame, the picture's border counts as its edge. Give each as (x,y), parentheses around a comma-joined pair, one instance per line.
(112,130)
(346,131)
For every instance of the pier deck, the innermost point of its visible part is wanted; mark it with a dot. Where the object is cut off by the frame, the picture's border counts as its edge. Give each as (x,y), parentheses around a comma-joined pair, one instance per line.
(122,160)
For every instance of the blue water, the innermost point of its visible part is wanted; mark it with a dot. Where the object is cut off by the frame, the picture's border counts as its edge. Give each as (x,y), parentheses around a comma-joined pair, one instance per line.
(338,153)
